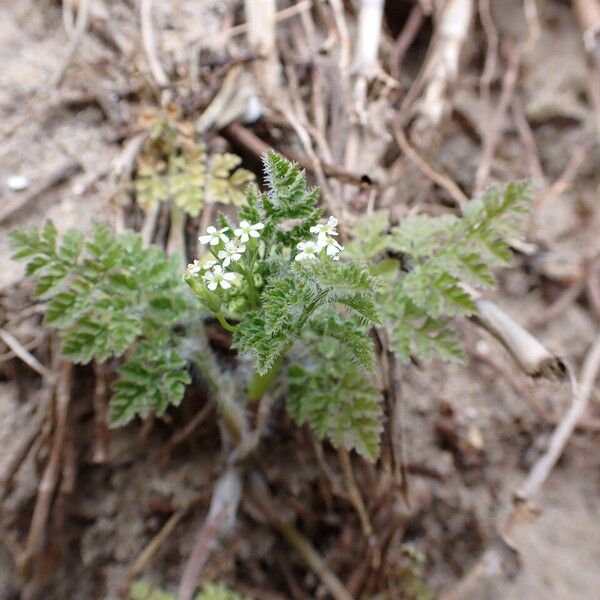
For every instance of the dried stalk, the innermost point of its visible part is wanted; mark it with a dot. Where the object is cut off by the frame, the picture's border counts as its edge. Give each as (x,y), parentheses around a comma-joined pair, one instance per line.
(18,451)
(176,242)
(249,140)
(543,467)
(223,36)
(492,562)
(303,546)
(354,493)
(221,516)
(528,352)
(26,356)
(493,132)
(100,403)
(438,178)
(260,17)
(149,43)
(443,63)
(156,542)
(81,25)
(369,37)
(50,477)
(588,13)
(406,38)
(343,34)
(149,225)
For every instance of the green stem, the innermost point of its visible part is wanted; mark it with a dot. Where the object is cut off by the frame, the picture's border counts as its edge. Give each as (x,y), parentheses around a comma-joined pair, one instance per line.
(223,321)
(259,384)
(249,275)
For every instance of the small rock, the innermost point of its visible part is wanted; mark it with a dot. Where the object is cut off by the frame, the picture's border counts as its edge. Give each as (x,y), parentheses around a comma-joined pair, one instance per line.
(17,183)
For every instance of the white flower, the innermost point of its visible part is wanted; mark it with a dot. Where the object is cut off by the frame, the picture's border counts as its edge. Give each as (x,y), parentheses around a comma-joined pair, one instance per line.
(308,251)
(197,266)
(332,247)
(246,231)
(194,268)
(324,230)
(217,277)
(232,252)
(214,236)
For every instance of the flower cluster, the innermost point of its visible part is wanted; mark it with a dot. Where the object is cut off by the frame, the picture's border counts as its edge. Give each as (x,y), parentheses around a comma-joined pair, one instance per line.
(326,234)
(229,252)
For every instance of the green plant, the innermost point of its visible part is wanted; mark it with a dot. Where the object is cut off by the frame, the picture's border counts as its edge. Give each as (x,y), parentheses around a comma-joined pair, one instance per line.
(210,591)
(424,290)
(276,279)
(174,166)
(108,296)
(283,285)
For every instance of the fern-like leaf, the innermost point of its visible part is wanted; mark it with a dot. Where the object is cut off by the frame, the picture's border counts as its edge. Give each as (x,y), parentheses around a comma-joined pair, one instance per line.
(338,402)
(149,381)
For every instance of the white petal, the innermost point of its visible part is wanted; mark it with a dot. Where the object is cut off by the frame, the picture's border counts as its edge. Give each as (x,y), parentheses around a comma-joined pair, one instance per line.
(253,233)
(211,230)
(226,262)
(229,276)
(300,256)
(258,226)
(244,224)
(225,284)
(205,239)
(214,241)
(332,222)
(212,286)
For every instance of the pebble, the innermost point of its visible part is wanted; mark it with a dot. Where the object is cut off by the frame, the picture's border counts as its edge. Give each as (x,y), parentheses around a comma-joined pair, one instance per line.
(17,183)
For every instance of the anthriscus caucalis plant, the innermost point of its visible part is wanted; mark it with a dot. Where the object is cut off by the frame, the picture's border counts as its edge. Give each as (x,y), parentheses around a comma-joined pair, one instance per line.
(295,300)
(275,278)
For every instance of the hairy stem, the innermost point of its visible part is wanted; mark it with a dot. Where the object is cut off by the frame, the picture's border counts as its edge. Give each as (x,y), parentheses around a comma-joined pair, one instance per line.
(259,384)
(249,275)
(223,321)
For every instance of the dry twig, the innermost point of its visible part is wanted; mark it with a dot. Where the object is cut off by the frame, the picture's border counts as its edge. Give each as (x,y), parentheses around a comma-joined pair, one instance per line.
(221,516)
(304,548)
(492,134)
(156,542)
(149,43)
(354,492)
(81,25)
(26,356)
(50,477)
(438,178)
(527,351)
(442,64)
(492,562)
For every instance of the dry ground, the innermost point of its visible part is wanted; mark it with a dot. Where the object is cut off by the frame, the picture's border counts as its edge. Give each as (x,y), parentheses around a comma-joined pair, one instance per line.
(471,432)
